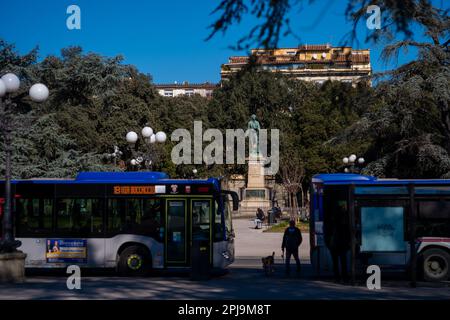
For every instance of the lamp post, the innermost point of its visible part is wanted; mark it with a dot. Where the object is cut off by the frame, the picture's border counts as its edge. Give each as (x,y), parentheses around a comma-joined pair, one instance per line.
(115,155)
(194,174)
(353,164)
(9,84)
(146,158)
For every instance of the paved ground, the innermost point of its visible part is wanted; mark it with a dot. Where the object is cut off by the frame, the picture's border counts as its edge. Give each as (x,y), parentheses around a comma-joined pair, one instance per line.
(244,281)
(253,244)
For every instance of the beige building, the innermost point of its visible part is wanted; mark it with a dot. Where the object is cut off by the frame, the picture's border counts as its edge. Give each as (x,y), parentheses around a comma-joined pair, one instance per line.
(316,63)
(186,89)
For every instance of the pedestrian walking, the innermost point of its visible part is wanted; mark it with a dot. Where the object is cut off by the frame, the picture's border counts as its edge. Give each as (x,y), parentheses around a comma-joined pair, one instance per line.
(292,240)
(337,239)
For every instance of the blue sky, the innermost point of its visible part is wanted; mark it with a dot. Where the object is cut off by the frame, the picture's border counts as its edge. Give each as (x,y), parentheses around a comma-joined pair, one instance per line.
(164,38)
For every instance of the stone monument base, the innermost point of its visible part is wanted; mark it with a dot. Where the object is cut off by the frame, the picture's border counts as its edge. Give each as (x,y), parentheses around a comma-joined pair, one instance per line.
(12,267)
(256,194)
(255,198)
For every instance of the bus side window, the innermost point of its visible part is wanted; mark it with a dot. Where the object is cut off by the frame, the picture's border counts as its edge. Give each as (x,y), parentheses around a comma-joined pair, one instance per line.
(137,216)
(150,223)
(433,218)
(34,216)
(79,216)
(201,219)
(116,215)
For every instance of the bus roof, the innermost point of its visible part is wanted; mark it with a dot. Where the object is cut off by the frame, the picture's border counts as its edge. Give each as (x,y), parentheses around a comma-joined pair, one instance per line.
(122,178)
(352,178)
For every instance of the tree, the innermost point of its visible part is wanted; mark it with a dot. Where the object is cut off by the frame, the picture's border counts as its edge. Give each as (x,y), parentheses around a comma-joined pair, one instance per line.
(41,147)
(405,131)
(307,115)
(292,174)
(44,150)
(274,16)
(407,126)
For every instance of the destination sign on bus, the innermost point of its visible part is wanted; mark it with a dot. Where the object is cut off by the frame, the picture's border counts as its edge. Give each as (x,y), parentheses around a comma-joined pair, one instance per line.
(128,190)
(134,190)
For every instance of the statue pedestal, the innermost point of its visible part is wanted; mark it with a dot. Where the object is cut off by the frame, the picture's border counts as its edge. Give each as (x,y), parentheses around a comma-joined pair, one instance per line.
(256,195)
(255,173)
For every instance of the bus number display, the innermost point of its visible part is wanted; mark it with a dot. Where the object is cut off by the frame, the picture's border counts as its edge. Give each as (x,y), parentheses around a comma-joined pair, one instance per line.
(134,190)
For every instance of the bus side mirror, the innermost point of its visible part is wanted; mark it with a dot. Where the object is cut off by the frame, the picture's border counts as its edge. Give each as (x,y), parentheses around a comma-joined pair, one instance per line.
(234,197)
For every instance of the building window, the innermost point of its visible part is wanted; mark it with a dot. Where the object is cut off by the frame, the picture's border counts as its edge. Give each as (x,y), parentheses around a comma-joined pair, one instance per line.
(168,93)
(189,92)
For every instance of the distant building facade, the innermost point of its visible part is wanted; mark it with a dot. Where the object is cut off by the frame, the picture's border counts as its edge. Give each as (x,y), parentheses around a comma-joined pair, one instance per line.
(186,89)
(316,63)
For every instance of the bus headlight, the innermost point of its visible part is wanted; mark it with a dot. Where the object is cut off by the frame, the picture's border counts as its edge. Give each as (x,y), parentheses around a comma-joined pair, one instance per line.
(226,255)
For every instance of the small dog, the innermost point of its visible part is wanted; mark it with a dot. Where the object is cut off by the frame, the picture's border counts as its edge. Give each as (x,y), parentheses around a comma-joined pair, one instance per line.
(269,264)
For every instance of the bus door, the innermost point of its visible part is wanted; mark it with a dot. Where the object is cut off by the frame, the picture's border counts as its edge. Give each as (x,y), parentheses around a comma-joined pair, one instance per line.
(186,221)
(201,226)
(176,245)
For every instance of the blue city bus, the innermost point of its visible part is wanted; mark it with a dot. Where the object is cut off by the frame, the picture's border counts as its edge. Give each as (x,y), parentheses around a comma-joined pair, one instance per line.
(131,221)
(393,223)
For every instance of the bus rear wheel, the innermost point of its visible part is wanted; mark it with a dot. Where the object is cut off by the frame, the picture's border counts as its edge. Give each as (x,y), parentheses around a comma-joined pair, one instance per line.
(134,261)
(435,265)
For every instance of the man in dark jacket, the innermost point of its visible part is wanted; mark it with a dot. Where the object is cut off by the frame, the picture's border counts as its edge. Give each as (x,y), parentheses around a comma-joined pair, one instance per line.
(291,241)
(337,239)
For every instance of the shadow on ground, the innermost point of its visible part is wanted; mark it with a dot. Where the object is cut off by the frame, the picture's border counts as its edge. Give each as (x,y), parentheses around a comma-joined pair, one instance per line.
(240,282)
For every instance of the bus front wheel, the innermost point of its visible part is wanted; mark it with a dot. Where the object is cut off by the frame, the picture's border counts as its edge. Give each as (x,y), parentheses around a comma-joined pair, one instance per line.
(435,265)
(134,261)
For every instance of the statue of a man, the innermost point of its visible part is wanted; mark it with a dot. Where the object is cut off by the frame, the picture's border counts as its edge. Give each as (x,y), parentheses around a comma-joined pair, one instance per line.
(253,127)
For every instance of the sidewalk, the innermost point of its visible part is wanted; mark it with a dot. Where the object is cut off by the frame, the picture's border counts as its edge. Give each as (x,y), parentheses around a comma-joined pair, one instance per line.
(251,243)
(245,280)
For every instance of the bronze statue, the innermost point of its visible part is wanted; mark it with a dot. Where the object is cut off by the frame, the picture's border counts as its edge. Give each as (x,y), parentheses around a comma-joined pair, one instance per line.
(253,127)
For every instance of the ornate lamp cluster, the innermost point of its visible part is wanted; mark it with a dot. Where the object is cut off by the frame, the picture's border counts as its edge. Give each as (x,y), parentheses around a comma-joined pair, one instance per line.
(353,164)
(147,158)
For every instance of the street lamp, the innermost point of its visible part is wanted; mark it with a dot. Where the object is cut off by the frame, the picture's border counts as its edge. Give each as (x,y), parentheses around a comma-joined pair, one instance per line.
(9,84)
(116,154)
(353,164)
(194,173)
(150,138)
(132,137)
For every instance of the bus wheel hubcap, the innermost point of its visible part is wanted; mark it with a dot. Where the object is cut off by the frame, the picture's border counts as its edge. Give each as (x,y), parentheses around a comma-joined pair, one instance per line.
(436,265)
(134,262)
